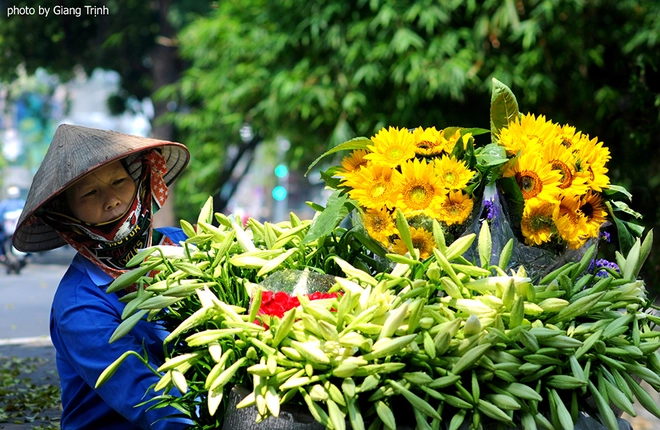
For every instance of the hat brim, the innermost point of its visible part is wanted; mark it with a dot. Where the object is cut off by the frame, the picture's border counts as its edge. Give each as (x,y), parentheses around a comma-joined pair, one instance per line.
(32,234)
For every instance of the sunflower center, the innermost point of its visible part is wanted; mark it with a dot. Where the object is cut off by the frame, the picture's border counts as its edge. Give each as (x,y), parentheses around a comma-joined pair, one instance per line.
(422,244)
(425,144)
(454,208)
(450,177)
(418,194)
(378,190)
(394,153)
(377,223)
(530,184)
(566,175)
(588,210)
(538,223)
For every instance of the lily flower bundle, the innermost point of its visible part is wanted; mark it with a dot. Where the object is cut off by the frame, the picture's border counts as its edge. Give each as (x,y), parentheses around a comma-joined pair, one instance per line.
(440,341)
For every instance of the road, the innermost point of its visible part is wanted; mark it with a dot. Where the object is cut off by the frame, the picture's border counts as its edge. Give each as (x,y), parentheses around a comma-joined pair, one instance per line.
(25,299)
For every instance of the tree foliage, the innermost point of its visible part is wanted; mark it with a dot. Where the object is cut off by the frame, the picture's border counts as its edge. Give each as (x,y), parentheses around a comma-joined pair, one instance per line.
(124,40)
(321,72)
(135,38)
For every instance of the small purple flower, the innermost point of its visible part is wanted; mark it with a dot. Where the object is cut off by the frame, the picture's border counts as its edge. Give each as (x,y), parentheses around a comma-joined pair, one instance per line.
(601,263)
(490,209)
(605,235)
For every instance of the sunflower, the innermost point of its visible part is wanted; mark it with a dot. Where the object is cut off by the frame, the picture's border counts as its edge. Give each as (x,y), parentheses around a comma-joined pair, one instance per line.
(422,240)
(391,147)
(456,209)
(562,160)
(592,157)
(373,186)
(453,173)
(536,222)
(570,221)
(420,190)
(521,134)
(379,224)
(568,135)
(450,143)
(591,205)
(428,141)
(354,161)
(535,178)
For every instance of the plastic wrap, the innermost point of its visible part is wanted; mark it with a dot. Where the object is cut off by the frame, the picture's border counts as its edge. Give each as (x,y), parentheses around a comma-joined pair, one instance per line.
(537,260)
(298,281)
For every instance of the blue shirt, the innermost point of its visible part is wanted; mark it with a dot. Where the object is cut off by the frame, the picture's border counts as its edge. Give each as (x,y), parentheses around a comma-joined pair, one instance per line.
(83,318)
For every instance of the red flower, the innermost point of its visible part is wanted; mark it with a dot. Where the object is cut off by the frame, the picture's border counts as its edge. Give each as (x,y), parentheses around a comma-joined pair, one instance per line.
(276,304)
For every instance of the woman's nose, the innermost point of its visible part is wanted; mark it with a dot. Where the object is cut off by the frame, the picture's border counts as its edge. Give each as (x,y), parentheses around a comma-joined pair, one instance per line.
(112,202)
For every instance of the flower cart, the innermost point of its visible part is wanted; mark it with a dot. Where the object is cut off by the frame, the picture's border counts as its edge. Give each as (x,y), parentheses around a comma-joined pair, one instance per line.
(425,314)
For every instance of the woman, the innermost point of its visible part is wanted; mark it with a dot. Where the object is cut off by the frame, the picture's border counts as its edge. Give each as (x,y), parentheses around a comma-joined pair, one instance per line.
(97,191)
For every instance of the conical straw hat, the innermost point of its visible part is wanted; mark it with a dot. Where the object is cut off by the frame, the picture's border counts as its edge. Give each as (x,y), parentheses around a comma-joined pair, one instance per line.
(74,152)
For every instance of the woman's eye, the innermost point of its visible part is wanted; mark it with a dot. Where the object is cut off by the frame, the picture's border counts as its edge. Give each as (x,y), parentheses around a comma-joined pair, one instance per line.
(89,194)
(119,181)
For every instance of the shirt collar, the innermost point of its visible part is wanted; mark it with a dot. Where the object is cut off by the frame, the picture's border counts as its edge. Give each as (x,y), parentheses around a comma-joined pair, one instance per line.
(98,276)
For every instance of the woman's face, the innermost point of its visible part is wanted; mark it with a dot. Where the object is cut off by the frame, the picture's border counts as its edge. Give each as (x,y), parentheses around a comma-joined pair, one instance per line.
(102,195)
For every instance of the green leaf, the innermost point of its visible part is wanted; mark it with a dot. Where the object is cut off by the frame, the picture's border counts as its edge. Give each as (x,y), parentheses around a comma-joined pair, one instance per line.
(448,132)
(369,243)
(464,152)
(623,207)
(615,189)
(625,237)
(357,143)
(330,180)
(491,155)
(326,221)
(503,108)
(634,228)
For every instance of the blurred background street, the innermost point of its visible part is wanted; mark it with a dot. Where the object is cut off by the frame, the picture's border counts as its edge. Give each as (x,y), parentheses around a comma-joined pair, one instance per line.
(25,299)
(27,356)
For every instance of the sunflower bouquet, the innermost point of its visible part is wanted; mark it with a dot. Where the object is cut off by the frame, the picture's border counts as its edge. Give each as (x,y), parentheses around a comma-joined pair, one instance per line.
(424,173)
(555,184)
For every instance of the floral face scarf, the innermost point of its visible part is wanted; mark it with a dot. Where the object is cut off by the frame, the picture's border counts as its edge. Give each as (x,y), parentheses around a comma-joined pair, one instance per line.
(111,245)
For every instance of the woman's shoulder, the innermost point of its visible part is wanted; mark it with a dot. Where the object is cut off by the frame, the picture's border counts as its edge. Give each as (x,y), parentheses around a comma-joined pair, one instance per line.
(83,282)
(175,234)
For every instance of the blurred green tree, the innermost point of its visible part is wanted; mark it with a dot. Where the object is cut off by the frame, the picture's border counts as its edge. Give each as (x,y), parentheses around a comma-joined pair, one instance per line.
(321,72)
(135,38)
